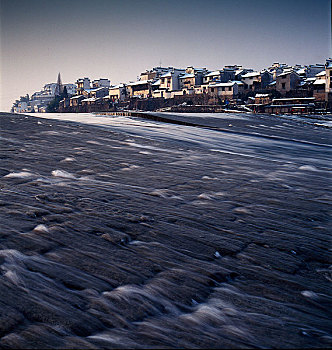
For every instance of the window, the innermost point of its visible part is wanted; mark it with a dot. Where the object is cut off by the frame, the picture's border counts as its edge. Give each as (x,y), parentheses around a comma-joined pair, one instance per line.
(283,85)
(212,89)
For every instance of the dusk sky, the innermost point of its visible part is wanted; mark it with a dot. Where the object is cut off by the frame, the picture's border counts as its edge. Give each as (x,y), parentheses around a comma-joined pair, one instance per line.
(120,39)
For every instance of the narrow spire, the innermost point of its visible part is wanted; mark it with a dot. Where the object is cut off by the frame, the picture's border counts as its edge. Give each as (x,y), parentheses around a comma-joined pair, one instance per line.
(59,86)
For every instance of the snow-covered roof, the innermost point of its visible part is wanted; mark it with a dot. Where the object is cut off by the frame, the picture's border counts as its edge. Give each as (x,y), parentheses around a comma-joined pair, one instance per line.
(238,82)
(156,83)
(310,79)
(89,90)
(262,95)
(99,89)
(91,99)
(301,71)
(286,72)
(75,97)
(116,87)
(251,75)
(168,74)
(238,71)
(96,80)
(320,74)
(187,76)
(216,72)
(231,83)
(319,82)
(273,82)
(140,82)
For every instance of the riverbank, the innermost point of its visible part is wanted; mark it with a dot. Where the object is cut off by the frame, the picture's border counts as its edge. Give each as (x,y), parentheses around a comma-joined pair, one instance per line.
(132,233)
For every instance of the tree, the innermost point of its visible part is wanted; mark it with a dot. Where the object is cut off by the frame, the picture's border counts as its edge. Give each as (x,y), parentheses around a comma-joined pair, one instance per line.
(24,98)
(54,104)
(64,93)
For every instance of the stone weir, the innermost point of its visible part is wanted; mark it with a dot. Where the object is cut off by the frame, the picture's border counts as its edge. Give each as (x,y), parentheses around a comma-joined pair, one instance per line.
(150,116)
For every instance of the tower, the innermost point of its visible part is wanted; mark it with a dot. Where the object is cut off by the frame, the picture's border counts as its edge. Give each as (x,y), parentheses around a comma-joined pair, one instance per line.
(59,86)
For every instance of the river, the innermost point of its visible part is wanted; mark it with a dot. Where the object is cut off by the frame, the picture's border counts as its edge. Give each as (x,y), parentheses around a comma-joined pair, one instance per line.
(122,232)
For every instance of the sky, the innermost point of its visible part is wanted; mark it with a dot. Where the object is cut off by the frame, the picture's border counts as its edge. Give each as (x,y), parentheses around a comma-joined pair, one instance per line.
(119,39)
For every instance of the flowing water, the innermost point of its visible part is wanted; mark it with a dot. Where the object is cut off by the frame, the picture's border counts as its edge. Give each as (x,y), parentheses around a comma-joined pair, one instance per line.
(120,232)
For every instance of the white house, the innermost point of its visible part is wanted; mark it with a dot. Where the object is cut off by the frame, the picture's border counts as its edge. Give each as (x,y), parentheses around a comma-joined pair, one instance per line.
(21,107)
(319,86)
(170,80)
(328,85)
(211,76)
(192,77)
(117,92)
(251,79)
(140,88)
(71,89)
(82,84)
(101,83)
(49,89)
(228,90)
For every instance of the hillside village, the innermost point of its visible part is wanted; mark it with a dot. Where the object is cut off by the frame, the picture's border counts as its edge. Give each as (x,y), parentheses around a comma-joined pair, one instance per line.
(277,89)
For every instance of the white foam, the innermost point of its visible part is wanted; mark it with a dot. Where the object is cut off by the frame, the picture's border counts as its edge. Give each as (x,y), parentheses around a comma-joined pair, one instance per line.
(211,195)
(209,178)
(327,124)
(130,167)
(94,142)
(68,159)
(86,178)
(62,173)
(205,196)
(241,210)
(41,228)
(308,167)
(13,277)
(163,193)
(20,175)
(309,294)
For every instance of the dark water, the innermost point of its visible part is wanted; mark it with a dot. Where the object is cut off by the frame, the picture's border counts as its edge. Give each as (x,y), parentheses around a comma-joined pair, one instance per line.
(139,234)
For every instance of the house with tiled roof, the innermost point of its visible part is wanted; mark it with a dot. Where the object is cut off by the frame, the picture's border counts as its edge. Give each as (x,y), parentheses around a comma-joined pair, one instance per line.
(286,81)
